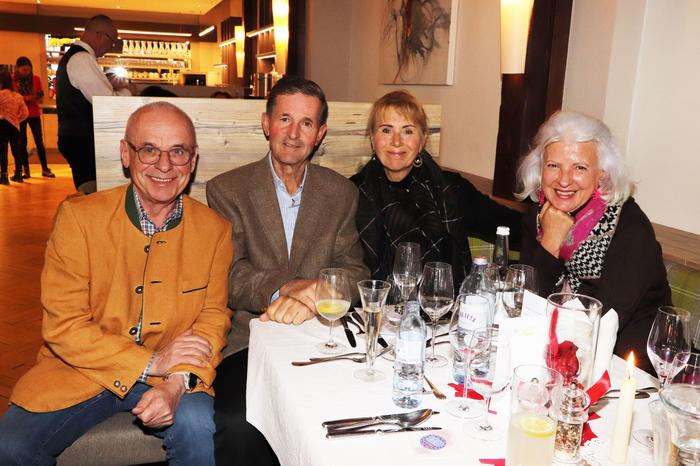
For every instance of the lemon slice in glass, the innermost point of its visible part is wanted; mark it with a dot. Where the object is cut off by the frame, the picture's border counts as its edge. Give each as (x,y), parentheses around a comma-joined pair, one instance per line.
(537,426)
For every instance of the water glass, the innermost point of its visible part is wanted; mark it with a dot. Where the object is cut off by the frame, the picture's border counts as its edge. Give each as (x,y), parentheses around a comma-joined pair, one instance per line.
(520,277)
(573,322)
(536,391)
(436,295)
(669,335)
(373,294)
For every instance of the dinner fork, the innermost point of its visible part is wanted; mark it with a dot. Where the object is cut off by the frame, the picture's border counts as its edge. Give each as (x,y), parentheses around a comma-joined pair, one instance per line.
(318,361)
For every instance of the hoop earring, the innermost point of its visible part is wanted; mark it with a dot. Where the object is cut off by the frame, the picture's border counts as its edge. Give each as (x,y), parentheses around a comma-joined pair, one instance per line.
(418,161)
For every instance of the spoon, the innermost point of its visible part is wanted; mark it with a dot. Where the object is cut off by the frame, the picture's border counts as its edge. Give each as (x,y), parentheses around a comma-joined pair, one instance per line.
(436,391)
(402,420)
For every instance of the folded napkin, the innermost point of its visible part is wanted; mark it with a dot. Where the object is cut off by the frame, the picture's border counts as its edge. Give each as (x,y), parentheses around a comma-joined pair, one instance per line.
(607,337)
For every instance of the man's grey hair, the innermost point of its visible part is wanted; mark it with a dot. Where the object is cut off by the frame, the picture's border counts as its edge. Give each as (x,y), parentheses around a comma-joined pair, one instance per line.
(572,127)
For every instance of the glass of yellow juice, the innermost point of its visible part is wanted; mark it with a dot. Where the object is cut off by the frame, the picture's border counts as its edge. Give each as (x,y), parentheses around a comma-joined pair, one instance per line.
(534,403)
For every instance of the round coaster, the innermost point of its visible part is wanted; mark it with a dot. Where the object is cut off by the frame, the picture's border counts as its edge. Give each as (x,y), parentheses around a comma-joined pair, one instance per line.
(433,442)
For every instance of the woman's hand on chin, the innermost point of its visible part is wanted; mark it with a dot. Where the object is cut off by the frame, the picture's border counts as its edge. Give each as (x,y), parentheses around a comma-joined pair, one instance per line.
(555,226)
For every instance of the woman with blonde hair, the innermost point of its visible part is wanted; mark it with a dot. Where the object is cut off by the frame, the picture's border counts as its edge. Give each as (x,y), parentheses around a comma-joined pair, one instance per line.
(406,196)
(585,233)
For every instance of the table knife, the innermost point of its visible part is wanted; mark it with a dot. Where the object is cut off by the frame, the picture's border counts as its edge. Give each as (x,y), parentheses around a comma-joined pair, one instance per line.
(359,320)
(348,332)
(379,431)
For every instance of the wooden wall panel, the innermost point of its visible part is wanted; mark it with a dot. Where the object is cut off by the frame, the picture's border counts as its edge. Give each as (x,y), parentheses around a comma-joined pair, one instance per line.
(229,136)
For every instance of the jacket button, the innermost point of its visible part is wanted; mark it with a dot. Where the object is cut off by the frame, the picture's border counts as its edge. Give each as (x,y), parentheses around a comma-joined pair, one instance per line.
(133,330)
(147,248)
(139,289)
(123,389)
(117,383)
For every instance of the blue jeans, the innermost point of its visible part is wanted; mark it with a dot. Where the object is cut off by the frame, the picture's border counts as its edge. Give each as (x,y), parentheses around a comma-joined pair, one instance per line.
(28,438)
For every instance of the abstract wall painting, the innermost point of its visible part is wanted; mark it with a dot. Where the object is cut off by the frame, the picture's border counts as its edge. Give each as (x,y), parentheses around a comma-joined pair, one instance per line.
(417,42)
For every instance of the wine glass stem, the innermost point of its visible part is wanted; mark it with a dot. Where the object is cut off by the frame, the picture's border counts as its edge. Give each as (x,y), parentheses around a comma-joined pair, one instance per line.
(465,362)
(432,341)
(331,343)
(484,424)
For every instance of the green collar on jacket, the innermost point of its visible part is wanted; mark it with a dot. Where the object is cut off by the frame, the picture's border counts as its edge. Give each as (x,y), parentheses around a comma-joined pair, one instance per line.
(133,212)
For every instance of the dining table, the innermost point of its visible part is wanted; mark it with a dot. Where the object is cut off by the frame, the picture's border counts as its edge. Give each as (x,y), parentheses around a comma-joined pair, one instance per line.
(288,404)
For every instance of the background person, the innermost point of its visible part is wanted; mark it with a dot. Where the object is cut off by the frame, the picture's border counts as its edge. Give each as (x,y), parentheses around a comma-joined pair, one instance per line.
(406,196)
(585,233)
(12,112)
(29,86)
(78,79)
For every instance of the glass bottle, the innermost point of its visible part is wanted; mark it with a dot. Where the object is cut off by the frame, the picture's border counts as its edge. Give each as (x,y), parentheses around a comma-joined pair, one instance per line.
(407,389)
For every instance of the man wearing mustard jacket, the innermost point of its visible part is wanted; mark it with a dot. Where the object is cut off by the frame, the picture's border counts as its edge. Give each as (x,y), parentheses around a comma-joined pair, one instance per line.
(134,291)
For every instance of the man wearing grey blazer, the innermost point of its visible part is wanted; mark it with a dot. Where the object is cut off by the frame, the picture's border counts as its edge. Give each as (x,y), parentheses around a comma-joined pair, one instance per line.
(290,219)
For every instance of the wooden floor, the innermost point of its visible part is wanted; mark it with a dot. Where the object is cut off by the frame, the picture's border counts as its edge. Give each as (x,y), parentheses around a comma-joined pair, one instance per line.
(26,214)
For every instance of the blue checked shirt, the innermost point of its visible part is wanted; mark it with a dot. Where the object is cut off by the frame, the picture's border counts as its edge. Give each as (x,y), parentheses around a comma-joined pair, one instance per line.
(149,229)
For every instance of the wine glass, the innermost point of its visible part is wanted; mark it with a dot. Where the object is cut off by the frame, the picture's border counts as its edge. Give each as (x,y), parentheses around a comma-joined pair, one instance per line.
(407,267)
(373,294)
(520,277)
(669,335)
(472,313)
(685,369)
(435,294)
(696,339)
(482,377)
(332,302)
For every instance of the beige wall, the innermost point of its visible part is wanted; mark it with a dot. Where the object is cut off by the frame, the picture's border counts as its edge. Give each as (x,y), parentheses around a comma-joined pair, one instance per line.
(342,56)
(641,56)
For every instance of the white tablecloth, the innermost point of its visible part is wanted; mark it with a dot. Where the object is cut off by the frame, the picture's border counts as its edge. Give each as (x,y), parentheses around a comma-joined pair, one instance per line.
(288,404)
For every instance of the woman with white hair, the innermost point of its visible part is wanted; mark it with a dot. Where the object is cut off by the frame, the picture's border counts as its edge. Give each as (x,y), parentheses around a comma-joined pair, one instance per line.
(586,234)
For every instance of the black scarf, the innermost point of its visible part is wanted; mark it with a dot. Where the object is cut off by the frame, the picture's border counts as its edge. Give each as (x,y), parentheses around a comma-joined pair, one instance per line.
(422,208)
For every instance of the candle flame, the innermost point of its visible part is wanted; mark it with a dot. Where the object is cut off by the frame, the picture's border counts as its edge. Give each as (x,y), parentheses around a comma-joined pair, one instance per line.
(630,364)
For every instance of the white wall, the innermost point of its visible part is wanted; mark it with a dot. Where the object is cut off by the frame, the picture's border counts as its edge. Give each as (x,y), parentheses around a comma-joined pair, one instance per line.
(342,56)
(639,58)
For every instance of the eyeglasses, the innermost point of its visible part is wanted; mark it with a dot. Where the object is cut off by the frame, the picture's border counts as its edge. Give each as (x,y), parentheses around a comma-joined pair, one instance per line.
(151,155)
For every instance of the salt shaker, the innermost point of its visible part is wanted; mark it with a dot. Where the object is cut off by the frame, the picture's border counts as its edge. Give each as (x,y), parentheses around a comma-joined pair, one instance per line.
(573,413)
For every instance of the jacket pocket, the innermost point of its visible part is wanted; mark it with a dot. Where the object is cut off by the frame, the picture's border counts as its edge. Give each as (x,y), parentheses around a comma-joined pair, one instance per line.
(193,286)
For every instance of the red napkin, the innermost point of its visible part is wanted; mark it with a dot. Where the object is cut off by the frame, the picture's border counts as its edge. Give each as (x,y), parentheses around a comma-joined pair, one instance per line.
(471,394)
(493,461)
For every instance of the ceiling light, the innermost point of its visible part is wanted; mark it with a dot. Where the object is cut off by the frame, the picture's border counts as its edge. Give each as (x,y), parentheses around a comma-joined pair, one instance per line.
(206,31)
(227,42)
(145,33)
(221,65)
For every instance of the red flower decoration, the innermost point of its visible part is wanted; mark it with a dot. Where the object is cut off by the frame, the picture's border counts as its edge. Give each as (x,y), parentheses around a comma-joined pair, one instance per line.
(561,356)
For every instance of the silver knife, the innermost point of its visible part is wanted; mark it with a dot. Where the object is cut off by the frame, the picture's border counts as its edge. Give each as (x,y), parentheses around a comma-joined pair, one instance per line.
(379,431)
(348,333)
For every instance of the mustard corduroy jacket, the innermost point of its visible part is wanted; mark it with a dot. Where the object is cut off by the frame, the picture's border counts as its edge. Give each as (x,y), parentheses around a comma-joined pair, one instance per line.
(99,272)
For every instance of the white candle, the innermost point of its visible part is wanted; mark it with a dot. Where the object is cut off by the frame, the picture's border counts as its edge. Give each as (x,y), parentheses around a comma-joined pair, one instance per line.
(623,418)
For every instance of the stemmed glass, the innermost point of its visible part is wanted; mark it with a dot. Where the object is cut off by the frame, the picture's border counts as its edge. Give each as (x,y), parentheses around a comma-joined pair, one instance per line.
(407,267)
(332,302)
(472,312)
(373,294)
(436,294)
(482,377)
(520,277)
(669,335)
(685,369)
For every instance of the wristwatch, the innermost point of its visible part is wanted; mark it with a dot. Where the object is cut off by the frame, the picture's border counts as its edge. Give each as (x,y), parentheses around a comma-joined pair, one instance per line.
(190,380)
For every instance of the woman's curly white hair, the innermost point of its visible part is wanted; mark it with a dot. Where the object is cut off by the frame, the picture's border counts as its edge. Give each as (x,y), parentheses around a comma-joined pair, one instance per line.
(572,127)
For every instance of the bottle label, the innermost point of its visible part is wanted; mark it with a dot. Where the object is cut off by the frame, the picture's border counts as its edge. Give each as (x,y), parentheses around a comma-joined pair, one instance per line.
(409,348)
(473,317)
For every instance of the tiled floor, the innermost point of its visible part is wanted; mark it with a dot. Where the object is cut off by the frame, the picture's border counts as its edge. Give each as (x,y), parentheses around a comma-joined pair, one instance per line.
(26,214)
